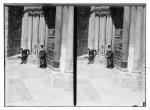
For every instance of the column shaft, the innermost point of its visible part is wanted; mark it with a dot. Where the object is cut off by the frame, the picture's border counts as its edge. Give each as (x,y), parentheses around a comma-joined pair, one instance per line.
(26,30)
(96,33)
(64,39)
(125,36)
(22,33)
(143,53)
(70,37)
(139,35)
(109,30)
(58,34)
(103,34)
(35,35)
(30,29)
(42,30)
(46,36)
(132,38)
(6,29)
(113,38)
(89,34)
(100,35)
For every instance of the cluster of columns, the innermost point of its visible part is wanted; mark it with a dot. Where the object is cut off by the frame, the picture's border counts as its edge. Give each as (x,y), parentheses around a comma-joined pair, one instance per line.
(35,33)
(137,27)
(100,29)
(33,29)
(102,33)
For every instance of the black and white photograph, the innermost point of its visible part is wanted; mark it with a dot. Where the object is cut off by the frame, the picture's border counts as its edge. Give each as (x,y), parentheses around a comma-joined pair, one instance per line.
(74,55)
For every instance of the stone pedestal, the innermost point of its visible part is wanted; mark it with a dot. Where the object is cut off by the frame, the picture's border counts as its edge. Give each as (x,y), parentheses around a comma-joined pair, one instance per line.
(70,38)
(58,34)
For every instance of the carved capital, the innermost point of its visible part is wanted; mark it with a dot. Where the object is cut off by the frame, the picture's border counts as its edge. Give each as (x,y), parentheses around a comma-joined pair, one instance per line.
(101,11)
(33,11)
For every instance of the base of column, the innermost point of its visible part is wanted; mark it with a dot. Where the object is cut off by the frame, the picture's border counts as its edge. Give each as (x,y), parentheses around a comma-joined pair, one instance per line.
(56,64)
(129,80)
(67,71)
(54,69)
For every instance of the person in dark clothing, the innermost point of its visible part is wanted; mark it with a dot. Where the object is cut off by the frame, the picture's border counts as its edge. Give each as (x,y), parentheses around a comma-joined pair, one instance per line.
(109,57)
(92,53)
(42,57)
(24,55)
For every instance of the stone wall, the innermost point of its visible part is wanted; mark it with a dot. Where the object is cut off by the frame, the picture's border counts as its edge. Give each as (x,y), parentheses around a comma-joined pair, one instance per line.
(83,14)
(14,30)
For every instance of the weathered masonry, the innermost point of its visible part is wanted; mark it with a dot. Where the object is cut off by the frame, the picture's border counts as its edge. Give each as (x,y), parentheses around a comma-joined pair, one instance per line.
(124,29)
(51,26)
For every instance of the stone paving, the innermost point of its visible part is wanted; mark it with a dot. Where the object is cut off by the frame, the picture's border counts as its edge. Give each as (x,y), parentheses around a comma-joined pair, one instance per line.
(96,87)
(27,85)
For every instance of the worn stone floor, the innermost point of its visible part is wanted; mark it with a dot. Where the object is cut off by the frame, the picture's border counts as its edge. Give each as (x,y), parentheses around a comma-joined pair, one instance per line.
(96,87)
(27,85)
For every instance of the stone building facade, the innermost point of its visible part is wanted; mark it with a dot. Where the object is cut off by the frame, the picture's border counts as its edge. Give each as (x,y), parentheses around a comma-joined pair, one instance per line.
(51,26)
(123,28)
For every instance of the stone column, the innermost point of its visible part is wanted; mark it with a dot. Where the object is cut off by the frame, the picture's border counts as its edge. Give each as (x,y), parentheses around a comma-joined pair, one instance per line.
(113,38)
(58,34)
(93,28)
(22,33)
(100,35)
(96,33)
(70,38)
(125,37)
(143,45)
(46,36)
(6,29)
(89,34)
(30,29)
(64,39)
(109,30)
(35,34)
(132,38)
(26,30)
(42,30)
(139,36)
(103,33)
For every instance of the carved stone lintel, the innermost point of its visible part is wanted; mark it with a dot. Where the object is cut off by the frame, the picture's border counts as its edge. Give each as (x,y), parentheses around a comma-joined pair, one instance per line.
(33,11)
(101,11)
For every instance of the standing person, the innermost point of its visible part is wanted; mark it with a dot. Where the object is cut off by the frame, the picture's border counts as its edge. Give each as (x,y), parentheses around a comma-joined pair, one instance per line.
(24,55)
(109,58)
(42,57)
